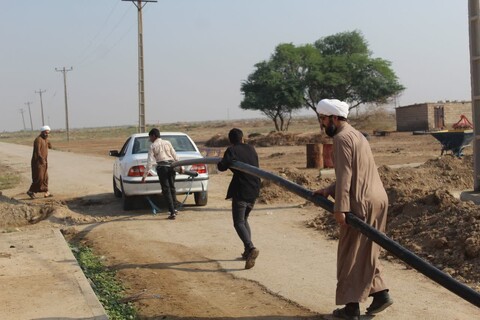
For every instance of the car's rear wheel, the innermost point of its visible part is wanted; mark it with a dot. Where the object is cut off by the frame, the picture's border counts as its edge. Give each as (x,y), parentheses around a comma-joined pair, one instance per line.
(126,200)
(117,192)
(201,198)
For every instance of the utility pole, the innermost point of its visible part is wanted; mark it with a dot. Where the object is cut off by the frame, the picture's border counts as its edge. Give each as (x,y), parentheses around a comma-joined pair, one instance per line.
(141,83)
(41,104)
(64,71)
(474,29)
(23,119)
(30,112)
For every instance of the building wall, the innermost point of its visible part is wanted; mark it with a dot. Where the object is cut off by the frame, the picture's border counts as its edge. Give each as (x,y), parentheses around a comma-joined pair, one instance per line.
(421,117)
(453,111)
(412,118)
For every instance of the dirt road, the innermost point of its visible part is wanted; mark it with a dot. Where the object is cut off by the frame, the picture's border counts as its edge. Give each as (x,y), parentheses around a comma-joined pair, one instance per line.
(189,268)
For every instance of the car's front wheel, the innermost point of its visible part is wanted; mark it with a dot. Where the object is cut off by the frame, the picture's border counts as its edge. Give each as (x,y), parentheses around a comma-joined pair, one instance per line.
(201,198)
(117,192)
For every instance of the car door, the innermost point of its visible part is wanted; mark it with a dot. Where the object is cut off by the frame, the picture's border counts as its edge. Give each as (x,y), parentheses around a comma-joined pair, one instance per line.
(119,166)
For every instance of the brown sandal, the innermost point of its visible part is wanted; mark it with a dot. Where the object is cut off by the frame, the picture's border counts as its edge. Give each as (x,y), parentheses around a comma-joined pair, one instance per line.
(31,194)
(48,195)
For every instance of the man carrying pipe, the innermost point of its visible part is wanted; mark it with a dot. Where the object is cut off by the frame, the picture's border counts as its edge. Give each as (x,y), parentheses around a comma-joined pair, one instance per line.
(243,190)
(359,189)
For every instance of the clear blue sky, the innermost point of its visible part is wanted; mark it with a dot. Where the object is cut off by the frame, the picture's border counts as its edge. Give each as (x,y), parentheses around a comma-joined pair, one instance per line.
(197,53)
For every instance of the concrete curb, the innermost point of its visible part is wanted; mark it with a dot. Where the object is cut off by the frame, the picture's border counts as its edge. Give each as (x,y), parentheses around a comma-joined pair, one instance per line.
(40,279)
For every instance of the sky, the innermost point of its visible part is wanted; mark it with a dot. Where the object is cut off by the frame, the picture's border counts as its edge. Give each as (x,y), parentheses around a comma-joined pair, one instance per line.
(198,52)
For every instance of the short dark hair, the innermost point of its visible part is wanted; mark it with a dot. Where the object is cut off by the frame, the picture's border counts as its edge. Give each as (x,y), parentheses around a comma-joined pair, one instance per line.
(235,136)
(154,132)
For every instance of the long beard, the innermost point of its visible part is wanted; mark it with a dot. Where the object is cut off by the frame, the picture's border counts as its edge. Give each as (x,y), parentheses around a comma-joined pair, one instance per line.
(331,129)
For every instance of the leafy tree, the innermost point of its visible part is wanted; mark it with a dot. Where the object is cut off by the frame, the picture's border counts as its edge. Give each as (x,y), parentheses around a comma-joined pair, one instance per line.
(275,87)
(346,71)
(338,66)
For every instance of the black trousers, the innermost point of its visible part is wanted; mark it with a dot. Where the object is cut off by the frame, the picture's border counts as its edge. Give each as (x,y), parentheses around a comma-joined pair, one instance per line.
(240,211)
(166,176)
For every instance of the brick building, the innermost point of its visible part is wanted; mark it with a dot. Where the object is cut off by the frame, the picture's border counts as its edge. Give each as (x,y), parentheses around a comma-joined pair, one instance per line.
(431,116)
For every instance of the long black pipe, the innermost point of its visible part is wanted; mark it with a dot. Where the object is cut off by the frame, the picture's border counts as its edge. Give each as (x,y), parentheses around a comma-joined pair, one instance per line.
(373,234)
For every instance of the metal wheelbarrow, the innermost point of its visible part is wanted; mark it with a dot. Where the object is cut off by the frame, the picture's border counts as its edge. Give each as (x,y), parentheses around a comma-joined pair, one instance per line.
(453,140)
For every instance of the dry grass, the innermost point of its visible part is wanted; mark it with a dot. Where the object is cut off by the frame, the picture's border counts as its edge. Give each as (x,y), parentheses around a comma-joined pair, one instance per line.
(8,178)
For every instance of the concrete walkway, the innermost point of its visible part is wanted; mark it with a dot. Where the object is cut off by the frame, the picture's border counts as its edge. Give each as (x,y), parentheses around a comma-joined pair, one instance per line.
(40,279)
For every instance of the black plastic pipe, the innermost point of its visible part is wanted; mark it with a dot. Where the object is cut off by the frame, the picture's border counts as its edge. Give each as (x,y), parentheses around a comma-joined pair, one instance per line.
(373,234)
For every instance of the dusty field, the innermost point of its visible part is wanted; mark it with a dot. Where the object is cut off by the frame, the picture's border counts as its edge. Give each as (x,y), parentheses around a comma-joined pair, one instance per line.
(424,216)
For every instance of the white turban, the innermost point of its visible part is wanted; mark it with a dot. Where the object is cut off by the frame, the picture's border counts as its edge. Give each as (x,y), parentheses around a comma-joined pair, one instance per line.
(44,128)
(332,107)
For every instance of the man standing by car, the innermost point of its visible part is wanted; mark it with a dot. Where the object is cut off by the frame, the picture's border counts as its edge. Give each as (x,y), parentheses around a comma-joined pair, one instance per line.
(243,190)
(162,154)
(39,164)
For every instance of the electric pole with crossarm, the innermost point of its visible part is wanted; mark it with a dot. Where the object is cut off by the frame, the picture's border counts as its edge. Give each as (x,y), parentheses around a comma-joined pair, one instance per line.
(141,83)
(40,91)
(30,113)
(23,119)
(64,71)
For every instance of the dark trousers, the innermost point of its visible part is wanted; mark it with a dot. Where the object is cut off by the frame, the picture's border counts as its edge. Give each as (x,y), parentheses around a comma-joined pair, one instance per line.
(240,211)
(166,176)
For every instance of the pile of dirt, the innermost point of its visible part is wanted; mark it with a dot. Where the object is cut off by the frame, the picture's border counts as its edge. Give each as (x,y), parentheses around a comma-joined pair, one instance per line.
(427,219)
(15,213)
(446,172)
(271,193)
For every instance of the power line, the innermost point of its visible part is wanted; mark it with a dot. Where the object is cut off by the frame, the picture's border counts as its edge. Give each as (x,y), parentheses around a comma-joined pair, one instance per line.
(64,71)
(89,53)
(100,30)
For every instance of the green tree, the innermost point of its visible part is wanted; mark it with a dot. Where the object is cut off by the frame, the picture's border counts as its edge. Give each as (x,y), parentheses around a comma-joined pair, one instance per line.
(338,66)
(346,71)
(275,87)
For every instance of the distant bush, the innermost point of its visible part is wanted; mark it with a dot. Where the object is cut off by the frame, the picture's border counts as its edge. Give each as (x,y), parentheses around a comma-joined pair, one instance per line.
(217,141)
(374,119)
(288,139)
(274,138)
(254,134)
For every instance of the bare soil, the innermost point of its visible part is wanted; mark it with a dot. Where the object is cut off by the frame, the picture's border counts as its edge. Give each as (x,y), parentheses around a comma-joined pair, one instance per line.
(424,216)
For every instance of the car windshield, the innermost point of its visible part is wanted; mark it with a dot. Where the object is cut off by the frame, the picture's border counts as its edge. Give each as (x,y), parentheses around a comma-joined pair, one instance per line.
(179,143)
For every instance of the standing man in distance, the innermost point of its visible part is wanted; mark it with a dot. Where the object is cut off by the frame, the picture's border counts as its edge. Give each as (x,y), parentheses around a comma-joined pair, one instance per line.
(39,164)
(243,190)
(162,154)
(357,189)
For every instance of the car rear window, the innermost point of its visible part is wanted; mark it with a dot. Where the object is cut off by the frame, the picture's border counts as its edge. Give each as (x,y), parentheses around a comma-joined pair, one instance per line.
(179,143)
(141,145)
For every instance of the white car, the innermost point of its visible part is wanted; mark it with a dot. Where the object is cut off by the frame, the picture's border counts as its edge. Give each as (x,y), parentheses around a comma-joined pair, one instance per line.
(131,161)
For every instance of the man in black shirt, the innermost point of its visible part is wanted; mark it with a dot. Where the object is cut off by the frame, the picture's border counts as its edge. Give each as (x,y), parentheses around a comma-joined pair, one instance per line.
(243,190)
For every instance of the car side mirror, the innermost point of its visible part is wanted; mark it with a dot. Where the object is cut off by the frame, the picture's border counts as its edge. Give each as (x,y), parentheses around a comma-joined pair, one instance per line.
(113,153)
